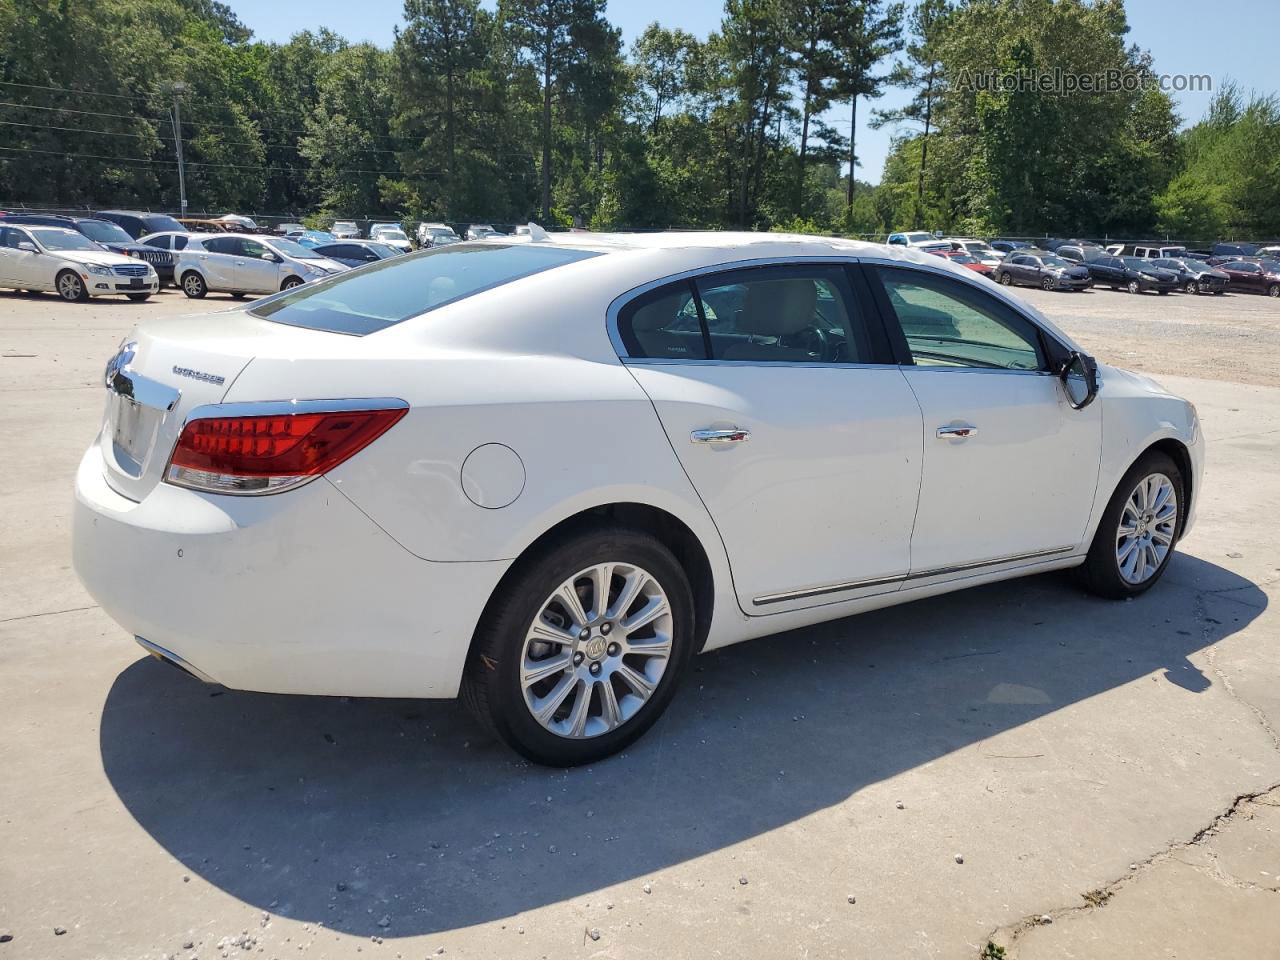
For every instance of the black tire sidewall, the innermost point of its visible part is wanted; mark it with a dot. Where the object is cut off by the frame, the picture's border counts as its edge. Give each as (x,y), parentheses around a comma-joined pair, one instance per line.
(204,287)
(1101,570)
(495,665)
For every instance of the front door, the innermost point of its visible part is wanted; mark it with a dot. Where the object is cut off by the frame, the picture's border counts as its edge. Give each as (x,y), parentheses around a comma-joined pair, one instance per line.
(776,389)
(258,268)
(1010,468)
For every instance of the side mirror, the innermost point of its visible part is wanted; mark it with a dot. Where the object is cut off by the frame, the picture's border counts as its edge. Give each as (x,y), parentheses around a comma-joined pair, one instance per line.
(271,257)
(28,246)
(1080,380)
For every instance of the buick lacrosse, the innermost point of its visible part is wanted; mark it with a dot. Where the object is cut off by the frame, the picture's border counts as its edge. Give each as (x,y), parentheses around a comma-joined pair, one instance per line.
(542,473)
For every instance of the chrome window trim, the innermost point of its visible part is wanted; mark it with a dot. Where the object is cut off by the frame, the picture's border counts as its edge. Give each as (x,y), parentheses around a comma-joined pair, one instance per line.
(619,302)
(949,570)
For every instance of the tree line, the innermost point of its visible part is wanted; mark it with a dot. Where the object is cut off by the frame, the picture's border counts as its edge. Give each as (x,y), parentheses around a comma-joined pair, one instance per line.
(535,110)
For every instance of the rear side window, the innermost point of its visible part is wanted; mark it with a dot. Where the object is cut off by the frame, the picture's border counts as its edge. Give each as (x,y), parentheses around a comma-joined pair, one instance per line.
(223,245)
(391,291)
(663,324)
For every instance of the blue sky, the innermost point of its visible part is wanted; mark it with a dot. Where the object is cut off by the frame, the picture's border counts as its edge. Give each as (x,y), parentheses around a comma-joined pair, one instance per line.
(1180,35)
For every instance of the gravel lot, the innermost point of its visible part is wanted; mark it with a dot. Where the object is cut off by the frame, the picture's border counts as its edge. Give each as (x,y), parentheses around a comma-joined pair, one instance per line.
(1017,763)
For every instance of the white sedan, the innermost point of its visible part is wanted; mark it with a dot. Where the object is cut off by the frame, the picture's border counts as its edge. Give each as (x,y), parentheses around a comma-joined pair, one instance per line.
(545,473)
(38,258)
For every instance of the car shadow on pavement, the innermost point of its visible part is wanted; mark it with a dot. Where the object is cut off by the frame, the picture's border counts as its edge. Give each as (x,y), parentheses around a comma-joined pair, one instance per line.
(397,818)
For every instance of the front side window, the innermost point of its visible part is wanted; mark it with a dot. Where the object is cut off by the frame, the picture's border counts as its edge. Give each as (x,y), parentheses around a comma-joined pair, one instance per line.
(391,291)
(947,323)
(252,248)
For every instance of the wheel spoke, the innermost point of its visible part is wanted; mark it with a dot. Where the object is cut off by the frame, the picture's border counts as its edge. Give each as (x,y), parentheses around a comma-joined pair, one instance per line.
(550,633)
(548,705)
(1164,538)
(655,608)
(601,578)
(627,595)
(537,670)
(568,596)
(660,647)
(635,680)
(609,711)
(581,707)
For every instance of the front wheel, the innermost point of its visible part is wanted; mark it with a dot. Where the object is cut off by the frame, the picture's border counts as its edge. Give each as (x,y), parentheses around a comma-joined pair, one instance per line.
(1006,280)
(582,647)
(1138,530)
(1273,290)
(1192,287)
(71,288)
(1134,287)
(290,283)
(1047,283)
(193,285)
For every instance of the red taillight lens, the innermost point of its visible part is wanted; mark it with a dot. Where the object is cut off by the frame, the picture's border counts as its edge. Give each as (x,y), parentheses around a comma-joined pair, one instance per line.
(266,454)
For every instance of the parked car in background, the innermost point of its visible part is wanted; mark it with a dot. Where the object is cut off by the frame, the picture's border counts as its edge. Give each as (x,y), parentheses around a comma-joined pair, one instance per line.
(1131,273)
(239,221)
(38,257)
(356,253)
(238,264)
(1250,276)
(480,231)
(1008,246)
(138,224)
(436,235)
(392,235)
(1080,252)
(979,249)
(408,471)
(196,225)
(1195,276)
(1225,250)
(289,229)
(920,240)
(970,262)
(108,235)
(1044,270)
(345,229)
(314,238)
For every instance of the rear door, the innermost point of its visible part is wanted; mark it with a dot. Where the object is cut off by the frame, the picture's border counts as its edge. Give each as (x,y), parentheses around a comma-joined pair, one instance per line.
(218,262)
(1009,467)
(776,389)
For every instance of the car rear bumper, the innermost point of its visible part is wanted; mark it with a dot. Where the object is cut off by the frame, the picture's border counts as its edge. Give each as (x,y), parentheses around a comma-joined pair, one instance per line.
(298,592)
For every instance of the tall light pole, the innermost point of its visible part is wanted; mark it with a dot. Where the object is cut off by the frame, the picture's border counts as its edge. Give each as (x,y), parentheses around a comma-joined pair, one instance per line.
(177,139)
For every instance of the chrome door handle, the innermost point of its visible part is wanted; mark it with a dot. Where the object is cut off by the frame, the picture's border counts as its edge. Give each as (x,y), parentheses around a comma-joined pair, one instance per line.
(957,431)
(734,435)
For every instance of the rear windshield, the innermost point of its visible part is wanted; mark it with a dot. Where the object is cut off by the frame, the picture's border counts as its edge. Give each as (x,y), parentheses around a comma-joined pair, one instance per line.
(391,291)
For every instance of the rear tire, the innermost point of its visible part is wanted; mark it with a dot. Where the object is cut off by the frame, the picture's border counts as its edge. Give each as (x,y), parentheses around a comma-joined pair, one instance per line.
(1109,571)
(193,285)
(590,698)
(70,287)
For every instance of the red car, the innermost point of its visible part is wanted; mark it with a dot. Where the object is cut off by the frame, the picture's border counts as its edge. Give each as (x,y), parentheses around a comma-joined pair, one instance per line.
(970,261)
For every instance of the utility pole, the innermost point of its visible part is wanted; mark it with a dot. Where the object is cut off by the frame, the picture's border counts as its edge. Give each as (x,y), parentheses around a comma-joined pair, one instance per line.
(177,139)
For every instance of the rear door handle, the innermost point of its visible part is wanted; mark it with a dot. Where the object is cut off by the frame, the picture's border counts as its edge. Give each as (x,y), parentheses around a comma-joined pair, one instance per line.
(733,435)
(957,431)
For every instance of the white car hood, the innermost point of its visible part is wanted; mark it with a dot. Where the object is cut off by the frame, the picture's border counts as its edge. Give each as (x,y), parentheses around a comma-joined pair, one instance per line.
(101,257)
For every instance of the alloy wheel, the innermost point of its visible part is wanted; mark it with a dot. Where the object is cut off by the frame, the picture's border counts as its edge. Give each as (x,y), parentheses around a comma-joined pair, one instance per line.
(1047,283)
(596,651)
(70,287)
(1148,523)
(1192,287)
(1134,287)
(192,285)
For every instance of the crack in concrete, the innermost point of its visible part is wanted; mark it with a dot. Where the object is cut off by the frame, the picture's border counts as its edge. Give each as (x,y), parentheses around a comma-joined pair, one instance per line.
(1008,935)
(48,613)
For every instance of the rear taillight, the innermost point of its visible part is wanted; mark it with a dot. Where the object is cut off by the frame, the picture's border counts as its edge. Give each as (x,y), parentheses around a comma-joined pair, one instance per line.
(273,452)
